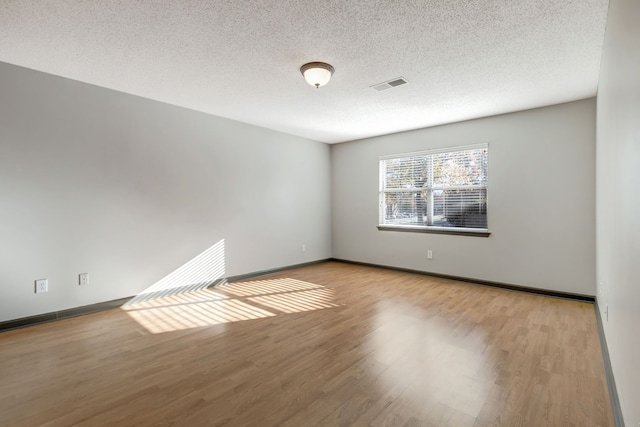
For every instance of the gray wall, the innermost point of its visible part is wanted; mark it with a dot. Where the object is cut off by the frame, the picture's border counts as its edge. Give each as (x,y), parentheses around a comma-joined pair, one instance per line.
(541,209)
(618,200)
(128,190)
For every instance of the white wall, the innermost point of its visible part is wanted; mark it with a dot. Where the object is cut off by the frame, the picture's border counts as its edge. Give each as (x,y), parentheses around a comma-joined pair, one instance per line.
(128,189)
(618,200)
(540,211)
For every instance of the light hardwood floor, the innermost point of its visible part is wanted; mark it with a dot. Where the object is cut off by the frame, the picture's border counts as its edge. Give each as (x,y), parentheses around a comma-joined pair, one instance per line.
(331,345)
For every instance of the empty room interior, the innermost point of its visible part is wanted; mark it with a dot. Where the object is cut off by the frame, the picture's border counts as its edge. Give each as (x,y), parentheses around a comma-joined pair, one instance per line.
(299,213)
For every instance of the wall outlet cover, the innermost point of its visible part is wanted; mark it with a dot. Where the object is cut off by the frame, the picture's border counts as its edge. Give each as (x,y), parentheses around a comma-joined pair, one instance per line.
(42,286)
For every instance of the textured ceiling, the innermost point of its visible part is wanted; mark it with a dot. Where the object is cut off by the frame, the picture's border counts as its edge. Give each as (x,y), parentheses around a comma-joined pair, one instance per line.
(240,59)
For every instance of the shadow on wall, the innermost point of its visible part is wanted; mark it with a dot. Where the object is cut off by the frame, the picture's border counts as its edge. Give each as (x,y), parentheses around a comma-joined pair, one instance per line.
(197,274)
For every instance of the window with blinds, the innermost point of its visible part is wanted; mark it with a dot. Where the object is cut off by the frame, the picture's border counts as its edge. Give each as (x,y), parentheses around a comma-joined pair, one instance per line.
(437,189)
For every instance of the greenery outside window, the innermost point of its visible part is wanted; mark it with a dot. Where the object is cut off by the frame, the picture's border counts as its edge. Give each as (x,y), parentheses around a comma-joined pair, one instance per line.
(435,191)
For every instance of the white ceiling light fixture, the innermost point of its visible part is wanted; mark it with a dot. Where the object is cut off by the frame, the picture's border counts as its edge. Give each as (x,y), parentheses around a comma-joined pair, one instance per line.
(317,73)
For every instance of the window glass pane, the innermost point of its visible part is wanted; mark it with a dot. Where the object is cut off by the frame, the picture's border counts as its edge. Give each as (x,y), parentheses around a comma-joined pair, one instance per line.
(407,172)
(460,208)
(460,168)
(406,208)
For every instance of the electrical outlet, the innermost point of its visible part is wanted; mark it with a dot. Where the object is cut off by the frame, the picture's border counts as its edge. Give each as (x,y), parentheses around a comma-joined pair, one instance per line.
(42,286)
(429,254)
(83,279)
(304,247)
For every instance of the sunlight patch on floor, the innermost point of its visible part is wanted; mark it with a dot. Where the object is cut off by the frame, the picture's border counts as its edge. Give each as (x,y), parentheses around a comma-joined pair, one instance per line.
(230,303)
(296,302)
(261,287)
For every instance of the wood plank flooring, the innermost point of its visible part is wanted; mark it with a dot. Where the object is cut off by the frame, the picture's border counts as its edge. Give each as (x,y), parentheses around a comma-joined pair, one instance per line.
(328,345)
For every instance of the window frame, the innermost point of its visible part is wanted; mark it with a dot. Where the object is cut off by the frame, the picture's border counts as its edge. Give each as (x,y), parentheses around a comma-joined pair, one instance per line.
(430,188)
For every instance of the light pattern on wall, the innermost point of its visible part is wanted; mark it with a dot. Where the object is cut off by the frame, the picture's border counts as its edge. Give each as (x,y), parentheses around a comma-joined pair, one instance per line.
(199,273)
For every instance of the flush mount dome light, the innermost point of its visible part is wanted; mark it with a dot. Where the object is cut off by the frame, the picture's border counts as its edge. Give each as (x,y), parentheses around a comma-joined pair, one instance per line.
(317,73)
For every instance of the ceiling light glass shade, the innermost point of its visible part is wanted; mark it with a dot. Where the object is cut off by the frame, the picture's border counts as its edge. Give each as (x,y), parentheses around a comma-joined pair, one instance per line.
(317,73)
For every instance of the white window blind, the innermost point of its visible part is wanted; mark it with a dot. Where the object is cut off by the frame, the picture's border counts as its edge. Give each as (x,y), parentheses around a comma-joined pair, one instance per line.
(435,189)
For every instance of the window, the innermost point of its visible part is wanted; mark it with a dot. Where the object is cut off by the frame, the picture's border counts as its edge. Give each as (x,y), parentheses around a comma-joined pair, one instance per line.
(435,191)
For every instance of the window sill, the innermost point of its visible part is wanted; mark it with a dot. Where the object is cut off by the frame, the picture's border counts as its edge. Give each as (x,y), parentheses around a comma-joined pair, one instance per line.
(473,232)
